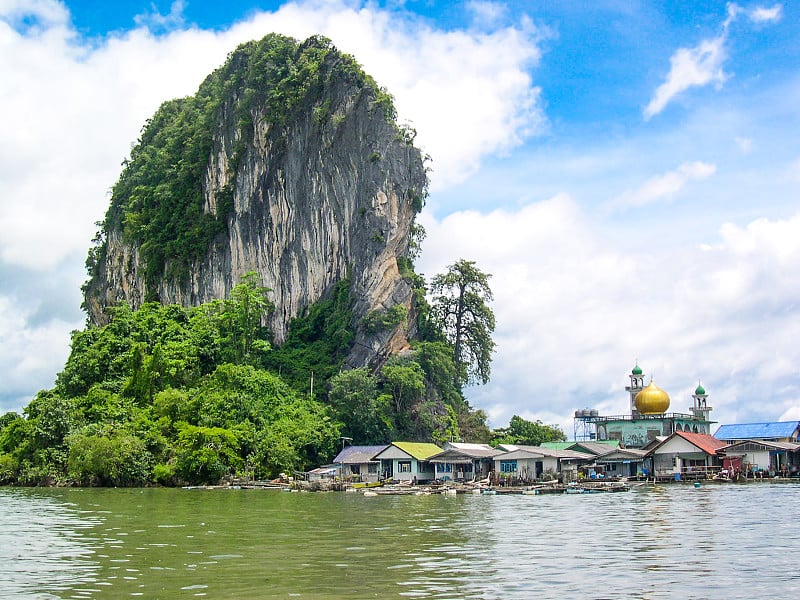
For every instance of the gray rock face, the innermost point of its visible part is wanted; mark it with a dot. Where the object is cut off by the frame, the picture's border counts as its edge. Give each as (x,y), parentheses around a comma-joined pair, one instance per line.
(314,201)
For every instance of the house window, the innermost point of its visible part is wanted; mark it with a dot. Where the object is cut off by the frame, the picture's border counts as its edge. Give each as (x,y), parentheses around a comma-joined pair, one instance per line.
(355,469)
(424,467)
(446,468)
(508,466)
(372,468)
(404,466)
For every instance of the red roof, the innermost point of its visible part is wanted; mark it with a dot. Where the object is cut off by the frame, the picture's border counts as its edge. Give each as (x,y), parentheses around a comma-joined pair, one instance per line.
(706,442)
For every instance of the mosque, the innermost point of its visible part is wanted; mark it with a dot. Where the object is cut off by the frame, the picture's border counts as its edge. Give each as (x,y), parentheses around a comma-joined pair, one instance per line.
(649,418)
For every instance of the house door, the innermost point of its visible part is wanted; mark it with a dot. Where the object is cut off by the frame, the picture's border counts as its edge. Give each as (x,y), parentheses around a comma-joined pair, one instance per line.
(539,469)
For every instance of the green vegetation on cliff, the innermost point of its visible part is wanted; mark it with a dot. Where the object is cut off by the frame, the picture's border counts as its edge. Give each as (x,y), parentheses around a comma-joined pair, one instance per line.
(159,201)
(171,395)
(166,394)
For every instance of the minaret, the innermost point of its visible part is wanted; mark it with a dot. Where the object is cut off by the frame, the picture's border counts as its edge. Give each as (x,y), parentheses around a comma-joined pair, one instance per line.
(636,386)
(700,407)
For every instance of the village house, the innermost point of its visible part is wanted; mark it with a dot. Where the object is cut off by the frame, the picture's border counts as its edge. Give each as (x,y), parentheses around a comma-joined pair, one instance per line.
(530,463)
(758,457)
(461,461)
(596,447)
(408,461)
(622,462)
(357,463)
(687,455)
(777,431)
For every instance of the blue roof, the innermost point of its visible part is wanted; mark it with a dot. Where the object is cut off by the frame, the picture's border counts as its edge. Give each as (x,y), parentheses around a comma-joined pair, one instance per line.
(757,431)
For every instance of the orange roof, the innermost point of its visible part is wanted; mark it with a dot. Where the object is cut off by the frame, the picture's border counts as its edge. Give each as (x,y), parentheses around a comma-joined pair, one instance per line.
(706,442)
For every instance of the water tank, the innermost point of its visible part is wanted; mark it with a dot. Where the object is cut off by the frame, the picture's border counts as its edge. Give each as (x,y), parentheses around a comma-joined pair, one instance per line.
(594,413)
(578,414)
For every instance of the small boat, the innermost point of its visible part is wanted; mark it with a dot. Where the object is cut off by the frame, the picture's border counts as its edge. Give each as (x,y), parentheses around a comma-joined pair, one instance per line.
(366,485)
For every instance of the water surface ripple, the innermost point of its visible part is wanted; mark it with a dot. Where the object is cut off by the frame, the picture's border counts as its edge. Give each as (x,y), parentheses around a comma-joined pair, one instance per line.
(670,541)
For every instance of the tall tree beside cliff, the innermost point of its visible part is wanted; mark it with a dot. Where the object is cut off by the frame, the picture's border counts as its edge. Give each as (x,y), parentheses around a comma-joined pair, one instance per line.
(460,310)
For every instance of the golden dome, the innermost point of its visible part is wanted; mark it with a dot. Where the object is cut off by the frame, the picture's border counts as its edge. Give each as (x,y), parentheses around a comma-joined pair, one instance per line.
(652,400)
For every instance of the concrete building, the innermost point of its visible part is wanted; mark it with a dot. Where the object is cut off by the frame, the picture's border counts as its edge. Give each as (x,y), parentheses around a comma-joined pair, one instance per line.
(685,455)
(648,418)
(461,461)
(776,431)
(530,463)
(357,463)
(408,461)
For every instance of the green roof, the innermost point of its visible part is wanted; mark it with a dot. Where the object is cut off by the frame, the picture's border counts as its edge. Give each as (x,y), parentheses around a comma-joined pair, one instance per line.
(700,391)
(418,450)
(556,445)
(637,370)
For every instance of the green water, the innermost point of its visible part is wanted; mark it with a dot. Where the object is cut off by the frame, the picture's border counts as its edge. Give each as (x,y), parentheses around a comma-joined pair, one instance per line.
(671,541)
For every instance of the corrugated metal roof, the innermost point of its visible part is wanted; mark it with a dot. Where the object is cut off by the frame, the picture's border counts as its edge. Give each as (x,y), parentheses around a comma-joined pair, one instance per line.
(418,450)
(554,453)
(597,448)
(519,453)
(353,455)
(706,442)
(478,449)
(757,431)
(790,446)
(466,454)
(557,445)
(623,453)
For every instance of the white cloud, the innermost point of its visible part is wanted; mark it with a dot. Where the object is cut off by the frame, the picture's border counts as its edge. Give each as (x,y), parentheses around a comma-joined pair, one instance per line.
(155,21)
(34,14)
(574,312)
(78,108)
(766,15)
(486,14)
(703,64)
(690,67)
(791,414)
(27,351)
(73,108)
(665,186)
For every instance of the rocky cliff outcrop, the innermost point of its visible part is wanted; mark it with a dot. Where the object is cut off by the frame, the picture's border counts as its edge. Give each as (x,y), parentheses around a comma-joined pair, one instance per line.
(288,162)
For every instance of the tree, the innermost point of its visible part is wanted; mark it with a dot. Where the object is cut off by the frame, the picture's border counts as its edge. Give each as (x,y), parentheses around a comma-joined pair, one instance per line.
(108,458)
(206,454)
(460,310)
(406,383)
(243,314)
(527,433)
(367,418)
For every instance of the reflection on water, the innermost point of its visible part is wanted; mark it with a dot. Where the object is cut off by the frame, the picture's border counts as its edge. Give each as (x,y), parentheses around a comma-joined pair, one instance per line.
(656,542)
(45,545)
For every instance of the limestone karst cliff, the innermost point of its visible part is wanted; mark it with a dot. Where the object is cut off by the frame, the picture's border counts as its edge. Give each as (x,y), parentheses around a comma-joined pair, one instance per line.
(288,162)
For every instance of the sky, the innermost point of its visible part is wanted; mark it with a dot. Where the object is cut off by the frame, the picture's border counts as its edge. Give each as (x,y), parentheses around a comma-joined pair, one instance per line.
(628,172)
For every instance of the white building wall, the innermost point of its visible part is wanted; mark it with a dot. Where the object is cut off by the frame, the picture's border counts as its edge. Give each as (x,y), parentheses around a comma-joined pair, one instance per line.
(759,459)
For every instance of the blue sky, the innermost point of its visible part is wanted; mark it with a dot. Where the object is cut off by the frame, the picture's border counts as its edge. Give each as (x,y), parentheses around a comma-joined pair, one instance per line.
(628,172)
